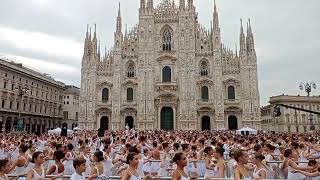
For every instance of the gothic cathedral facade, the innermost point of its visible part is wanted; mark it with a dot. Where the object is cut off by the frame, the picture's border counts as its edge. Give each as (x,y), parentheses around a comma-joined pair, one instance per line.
(169,72)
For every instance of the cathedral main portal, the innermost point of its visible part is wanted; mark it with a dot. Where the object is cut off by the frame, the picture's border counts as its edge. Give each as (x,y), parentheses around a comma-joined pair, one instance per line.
(167,122)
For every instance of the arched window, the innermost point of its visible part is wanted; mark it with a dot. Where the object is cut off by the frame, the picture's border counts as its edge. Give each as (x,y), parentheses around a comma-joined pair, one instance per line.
(129,94)
(166,74)
(204,68)
(130,70)
(231,93)
(105,95)
(204,93)
(166,40)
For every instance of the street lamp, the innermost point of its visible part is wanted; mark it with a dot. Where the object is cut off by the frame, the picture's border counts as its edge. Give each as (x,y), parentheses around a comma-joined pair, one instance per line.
(308,87)
(21,91)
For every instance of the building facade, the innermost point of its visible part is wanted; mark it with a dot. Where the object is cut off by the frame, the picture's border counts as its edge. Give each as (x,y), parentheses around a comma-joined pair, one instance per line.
(291,120)
(71,106)
(37,96)
(169,72)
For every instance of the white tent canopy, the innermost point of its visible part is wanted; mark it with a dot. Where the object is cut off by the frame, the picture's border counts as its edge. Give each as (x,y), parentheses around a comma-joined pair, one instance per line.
(76,129)
(58,131)
(246,130)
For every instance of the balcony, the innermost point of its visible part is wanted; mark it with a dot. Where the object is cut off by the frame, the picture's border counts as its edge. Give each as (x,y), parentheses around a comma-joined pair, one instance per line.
(128,104)
(232,102)
(166,86)
(104,104)
(205,102)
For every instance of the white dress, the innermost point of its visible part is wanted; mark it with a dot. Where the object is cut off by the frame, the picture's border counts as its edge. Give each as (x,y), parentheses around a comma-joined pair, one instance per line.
(68,165)
(201,164)
(133,177)
(164,166)
(6,177)
(305,164)
(108,166)
(183,177)
(209,173)
(256,172)
(38,176)
(291,175)
(231,166)
(23,169)
(76,176)
(192,168)
(154,167)
(88,165)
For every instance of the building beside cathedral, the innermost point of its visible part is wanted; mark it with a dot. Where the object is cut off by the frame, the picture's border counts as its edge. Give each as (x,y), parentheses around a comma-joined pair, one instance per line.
(291,120)
(169,72)
(31,101)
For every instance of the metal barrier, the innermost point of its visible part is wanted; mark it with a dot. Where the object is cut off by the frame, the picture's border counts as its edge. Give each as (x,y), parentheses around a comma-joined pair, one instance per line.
(113,177)
(119,177)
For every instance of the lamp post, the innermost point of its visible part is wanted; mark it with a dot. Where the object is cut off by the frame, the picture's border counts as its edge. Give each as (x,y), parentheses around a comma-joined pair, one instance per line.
(21,91)
(308,87)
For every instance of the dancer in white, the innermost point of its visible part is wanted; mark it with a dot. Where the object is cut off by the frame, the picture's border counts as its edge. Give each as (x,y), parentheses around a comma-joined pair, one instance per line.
(132,173)
(79,165)
(37,172)
(181,160)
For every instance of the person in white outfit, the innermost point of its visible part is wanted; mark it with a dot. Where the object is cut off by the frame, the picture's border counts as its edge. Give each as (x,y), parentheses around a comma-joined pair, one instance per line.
(58,167)
(37,172)
(181,160)
(68,166)
(260,171)
(132,172)
(79,164)
(314,175)
(290,163)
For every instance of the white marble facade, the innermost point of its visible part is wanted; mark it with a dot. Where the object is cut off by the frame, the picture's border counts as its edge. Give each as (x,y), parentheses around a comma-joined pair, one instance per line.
(169,72)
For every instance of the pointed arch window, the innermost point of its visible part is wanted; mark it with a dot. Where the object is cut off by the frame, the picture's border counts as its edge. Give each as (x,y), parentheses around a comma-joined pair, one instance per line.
(166,40)
(105,95)
(204,93)
(204,68)
(166,74)
(129,94)
(231,92)
(130,71)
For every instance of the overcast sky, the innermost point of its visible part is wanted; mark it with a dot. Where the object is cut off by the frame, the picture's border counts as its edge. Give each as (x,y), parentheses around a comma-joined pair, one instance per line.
(47,35)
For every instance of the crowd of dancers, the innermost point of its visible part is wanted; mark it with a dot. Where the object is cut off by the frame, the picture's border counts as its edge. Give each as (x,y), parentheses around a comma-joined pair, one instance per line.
(181,155)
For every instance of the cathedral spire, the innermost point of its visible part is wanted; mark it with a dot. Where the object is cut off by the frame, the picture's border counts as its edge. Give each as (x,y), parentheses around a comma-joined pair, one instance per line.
(251,38)
(216,28)
(126,31)
(236,50)
(242,38)
(98,50)
(215,18)
(119,21)
(142,4)
(118,36)
(182,4)
(95,32)
(87,42)
(150,4)
(87,33)
(249,28)
(190,4)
